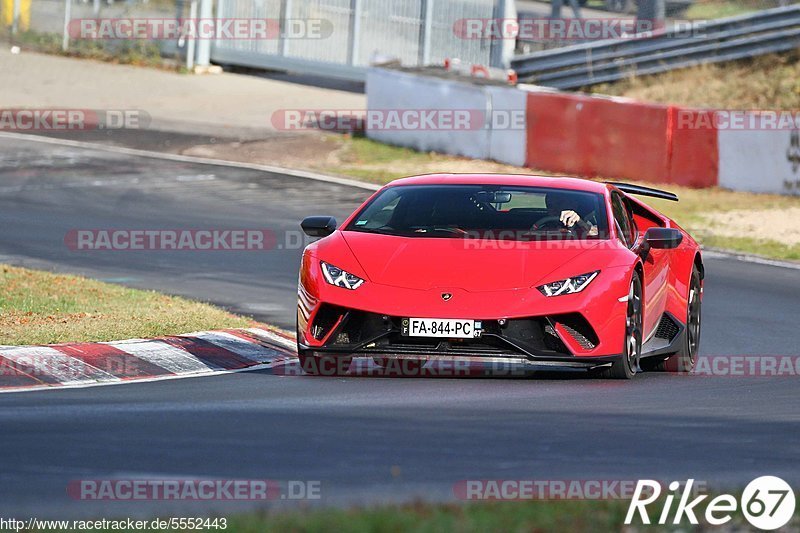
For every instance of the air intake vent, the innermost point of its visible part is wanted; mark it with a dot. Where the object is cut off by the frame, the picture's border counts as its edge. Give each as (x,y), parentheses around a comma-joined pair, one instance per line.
(327,318)
(667,328)
(579,329)
(585,343)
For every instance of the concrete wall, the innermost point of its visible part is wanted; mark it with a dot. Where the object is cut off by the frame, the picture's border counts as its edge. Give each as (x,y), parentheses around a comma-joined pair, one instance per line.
(394,90)
(760,161)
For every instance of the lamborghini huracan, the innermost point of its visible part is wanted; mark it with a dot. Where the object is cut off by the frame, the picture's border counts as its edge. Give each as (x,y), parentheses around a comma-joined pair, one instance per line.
(549,271)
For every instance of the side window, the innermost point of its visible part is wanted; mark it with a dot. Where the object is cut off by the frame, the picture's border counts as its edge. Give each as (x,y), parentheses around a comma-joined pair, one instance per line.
(623,218)
(632,220)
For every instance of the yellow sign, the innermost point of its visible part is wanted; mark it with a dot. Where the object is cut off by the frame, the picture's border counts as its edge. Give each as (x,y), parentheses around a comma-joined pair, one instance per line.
(7,13)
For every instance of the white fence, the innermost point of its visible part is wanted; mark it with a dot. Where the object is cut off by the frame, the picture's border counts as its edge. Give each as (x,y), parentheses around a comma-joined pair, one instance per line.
(415,32)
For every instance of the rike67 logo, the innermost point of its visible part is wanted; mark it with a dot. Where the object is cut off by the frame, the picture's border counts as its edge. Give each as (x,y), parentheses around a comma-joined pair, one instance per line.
(767,502)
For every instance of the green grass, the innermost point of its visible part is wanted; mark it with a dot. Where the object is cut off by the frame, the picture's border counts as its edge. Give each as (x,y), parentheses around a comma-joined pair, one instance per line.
(363,149)
(696,204)
(584,516)
(372,161)
(764,82)
(714,9)
(697,208)
(43,308)
(536,516)
(762,247)
(502,517)
(135,52)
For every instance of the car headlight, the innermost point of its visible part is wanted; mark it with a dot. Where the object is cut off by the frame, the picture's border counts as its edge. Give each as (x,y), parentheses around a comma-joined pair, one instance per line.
(340,278)
(569,285)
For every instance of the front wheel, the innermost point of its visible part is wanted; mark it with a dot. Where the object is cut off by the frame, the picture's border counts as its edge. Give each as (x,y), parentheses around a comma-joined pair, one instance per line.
(627,365)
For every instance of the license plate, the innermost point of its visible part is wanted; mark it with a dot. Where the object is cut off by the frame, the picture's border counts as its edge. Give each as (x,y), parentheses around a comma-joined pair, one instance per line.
(441,327)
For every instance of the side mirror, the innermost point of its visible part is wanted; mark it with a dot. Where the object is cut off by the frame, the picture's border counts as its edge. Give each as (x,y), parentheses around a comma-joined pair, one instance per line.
(318,226)
(663,238)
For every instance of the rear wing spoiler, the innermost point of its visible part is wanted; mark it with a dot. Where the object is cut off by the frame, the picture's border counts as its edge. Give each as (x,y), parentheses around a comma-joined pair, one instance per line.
(644,191)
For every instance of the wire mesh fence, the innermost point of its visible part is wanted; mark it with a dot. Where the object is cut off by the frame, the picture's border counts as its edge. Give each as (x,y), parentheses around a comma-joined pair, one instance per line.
(412,32)
(55,26)
(354,33)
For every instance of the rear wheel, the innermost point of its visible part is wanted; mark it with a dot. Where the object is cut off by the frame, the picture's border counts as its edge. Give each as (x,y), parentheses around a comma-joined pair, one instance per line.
(686,358)
(627,365)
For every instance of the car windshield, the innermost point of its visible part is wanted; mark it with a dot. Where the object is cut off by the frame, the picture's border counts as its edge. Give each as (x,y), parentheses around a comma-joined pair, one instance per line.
(484,211)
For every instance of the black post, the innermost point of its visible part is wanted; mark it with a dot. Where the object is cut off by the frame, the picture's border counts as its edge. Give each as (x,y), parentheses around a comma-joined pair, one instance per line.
(650,14)
(556,12)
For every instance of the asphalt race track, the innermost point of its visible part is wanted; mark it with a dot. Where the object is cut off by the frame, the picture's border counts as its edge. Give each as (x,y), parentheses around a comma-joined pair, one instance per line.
(366,439)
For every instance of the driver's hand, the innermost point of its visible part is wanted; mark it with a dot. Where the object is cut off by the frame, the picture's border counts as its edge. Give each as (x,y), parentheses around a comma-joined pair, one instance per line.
(569,218)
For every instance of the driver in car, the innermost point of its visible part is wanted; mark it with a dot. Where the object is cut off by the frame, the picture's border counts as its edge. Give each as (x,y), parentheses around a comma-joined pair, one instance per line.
(561,206)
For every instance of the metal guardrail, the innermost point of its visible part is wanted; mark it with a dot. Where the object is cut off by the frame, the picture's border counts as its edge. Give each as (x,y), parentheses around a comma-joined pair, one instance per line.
(743,36)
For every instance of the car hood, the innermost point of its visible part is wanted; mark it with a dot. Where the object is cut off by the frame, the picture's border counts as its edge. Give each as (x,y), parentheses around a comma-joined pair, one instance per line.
(469,264)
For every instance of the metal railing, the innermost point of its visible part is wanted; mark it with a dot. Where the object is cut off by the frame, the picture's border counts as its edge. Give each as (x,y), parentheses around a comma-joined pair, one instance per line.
(356,32)
(764,32)
(415,32)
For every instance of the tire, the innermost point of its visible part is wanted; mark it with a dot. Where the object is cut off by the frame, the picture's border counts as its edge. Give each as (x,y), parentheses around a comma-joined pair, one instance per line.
(653,364)
(315,365)
(627,365)
(684,361)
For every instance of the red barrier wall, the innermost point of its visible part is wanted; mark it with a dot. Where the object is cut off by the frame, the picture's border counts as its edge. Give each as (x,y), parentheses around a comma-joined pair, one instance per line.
(591,136)
(694,154)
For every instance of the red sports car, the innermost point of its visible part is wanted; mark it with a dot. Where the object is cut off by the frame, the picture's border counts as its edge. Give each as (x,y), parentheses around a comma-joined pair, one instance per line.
(544,270)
